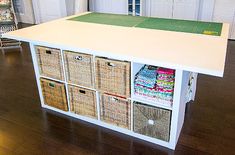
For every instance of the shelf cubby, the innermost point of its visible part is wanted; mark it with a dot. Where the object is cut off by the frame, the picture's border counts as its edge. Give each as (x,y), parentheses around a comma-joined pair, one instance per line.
(159,89)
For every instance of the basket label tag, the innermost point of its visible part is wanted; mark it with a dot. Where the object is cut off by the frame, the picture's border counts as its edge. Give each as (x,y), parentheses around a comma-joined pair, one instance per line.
(150,122)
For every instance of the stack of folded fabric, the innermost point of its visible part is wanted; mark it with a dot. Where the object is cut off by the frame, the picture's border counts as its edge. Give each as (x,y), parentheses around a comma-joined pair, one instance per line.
(155,83)
(165,83)
(147,76)
(145,82)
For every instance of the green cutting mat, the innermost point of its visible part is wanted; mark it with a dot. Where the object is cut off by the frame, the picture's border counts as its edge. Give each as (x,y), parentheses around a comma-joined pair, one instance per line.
(110,19)
(198,27)
(188,26)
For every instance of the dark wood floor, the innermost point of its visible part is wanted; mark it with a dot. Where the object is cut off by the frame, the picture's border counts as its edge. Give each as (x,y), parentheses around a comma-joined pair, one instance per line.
(25,128)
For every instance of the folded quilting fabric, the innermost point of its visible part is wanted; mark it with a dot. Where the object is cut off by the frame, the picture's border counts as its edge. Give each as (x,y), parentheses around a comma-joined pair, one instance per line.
(168,78)
(167,71)
(147,76)
(155,83)
(154,94)
(144,83)
(164,83)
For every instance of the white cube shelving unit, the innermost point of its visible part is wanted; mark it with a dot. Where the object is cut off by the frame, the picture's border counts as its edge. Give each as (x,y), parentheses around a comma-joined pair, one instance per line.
(123,43)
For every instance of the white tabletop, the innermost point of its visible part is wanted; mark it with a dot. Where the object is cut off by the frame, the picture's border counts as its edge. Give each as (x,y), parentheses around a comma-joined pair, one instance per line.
(186,51)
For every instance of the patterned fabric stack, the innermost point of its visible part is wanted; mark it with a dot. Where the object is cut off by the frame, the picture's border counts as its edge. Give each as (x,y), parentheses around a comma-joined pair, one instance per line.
(165,83)
(155,83)
(147,76)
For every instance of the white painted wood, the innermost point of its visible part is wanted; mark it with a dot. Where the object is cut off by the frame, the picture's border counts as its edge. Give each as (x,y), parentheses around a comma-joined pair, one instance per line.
(224,12)
(181,104)
(98,122)
(36,70)
(176,56)
(136,68)
(161,8)
(186,9)
(109,6)
(50,9)
(132,115)
(194,86)
(206,10)
(151,103)
(49,78)
(176,107)
(98,105)
(65,79)
(24,11)
(72,84)
(112,127)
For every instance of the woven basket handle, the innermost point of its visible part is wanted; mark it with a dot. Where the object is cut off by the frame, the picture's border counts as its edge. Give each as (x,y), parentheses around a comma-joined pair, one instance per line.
(110,64)
(119,99)
(82,91)
(52,85)
(48,51)
(78,57)
(114,99)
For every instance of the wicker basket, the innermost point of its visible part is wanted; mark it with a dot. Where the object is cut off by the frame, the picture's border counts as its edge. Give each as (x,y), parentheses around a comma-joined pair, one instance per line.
(113,76)
(115,110)
(79,68)
(54,94)
(49,61)
(152,121)
(83,101)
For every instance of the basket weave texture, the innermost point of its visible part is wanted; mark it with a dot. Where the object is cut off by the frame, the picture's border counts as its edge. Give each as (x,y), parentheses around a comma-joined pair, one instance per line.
(115,110)
(83,101)
(54,94)
(113,76)
(50,63)
(79,68)
(151,121)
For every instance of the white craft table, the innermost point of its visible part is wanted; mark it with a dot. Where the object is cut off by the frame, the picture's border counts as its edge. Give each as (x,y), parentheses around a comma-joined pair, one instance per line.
(185,52)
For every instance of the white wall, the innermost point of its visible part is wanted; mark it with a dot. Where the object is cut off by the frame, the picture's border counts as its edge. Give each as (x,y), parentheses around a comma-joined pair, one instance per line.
(186,9)
(224,11)
(46,10)
(206,10)
(109,6)
(179,9)
(70,7)
(80,6)
(161,8)
(24,11)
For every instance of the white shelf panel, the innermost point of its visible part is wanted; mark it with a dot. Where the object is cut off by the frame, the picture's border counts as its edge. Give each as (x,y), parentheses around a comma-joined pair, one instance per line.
(81,86)
(49,78)
(112,127)
(147,101)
